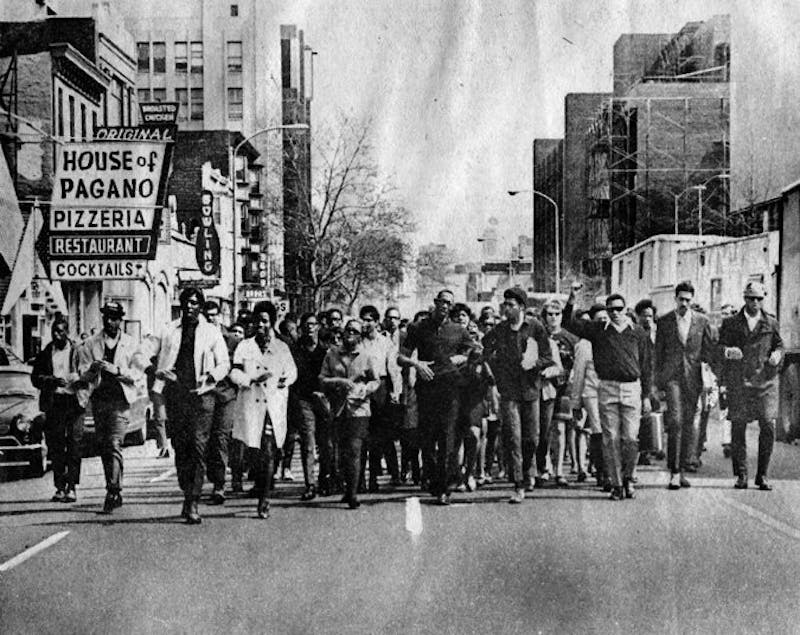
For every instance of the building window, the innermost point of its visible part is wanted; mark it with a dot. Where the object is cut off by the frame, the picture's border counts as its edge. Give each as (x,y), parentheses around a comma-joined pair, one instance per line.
(71,118)
(234,57)
(159,94)
(197,57)
(197,104)
(60,108)
(143,57)
(83,122)
(182,97)
(235,103)
(94,122)
(143,95)
(181,60)
(159,57)
(234,10)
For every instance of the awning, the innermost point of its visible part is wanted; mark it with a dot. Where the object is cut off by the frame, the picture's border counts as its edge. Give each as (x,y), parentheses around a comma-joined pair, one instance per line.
(24,263)
(10,220)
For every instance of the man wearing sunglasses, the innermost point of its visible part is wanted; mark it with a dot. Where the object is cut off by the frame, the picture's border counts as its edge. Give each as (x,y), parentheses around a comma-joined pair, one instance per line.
(752,352)
(621,355)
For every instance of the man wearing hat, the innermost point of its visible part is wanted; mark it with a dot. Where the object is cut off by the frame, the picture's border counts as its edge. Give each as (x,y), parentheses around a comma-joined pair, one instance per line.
(751,354)
(517,350)
(106,364)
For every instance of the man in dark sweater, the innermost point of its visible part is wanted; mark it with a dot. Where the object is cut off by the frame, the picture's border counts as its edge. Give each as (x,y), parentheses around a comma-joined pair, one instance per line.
(621,353)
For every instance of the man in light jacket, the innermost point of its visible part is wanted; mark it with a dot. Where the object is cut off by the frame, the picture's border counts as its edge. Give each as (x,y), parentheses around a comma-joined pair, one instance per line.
(107,363)
(263,368)
(191,358)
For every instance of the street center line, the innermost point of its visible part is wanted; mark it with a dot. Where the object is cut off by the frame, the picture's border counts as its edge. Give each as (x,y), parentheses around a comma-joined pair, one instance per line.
(413,516)
(163,477)
(29,553)
(777,525)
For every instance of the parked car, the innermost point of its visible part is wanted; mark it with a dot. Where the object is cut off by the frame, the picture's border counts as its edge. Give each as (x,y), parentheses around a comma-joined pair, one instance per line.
(138,423)
(21,422)
(9,358)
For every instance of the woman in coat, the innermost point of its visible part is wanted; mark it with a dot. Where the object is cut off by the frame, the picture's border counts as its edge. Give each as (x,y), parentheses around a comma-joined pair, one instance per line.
(264,369)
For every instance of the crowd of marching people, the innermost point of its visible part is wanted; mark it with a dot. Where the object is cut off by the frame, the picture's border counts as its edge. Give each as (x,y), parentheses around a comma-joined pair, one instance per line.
(536,397)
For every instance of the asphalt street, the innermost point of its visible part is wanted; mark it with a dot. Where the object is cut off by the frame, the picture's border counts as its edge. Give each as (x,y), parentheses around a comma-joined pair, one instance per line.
(706,559)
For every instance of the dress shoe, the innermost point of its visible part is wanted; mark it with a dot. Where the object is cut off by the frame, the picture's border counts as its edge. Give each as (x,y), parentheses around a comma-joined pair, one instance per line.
(538,482)
(163,453)
(674,482)
(517,497)
(443,499)
(59,496)
(630,490)
(310,494)
(561,481)
(684,482)
(70,496)
(217,496)
(185,509)
(763,484)
(262,510)
(354,503)
(582,477)
(616,494)
(741,482)
(192,515)
(112,502)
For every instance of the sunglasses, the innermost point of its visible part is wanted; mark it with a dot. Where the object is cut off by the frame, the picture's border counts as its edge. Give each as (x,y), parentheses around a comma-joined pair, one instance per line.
(550,313)
(353,331)
(753,297)
(615,308)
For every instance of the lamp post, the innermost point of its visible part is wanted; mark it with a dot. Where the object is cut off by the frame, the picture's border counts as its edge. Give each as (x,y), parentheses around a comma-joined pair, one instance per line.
(232,175)
(557,237)
(700,188)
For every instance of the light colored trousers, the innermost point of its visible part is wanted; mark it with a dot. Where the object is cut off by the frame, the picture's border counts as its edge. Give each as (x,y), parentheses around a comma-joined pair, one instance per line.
(620,413)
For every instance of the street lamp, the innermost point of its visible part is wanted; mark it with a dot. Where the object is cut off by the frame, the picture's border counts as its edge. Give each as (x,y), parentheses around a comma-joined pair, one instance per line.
(231,174)
(557,224)
(700,188)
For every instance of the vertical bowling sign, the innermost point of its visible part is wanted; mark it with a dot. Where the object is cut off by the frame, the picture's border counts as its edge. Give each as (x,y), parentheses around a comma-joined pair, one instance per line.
(207,247)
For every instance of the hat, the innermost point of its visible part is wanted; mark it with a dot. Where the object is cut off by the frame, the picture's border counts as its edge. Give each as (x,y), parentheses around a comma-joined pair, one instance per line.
(113,308)
(518,294)
(755,289)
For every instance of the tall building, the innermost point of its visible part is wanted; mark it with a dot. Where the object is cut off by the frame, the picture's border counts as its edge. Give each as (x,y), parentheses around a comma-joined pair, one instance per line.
(548,178)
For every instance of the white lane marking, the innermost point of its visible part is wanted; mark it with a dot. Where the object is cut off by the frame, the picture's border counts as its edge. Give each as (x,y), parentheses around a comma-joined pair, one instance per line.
(777,525)
(29,553)
(163,477)
(413,516)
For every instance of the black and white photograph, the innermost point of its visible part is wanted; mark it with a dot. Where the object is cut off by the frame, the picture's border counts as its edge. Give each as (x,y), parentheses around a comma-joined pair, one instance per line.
(399,316)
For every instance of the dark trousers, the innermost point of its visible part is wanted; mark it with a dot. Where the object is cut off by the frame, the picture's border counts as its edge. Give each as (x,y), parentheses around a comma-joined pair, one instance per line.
(493,438)
(596,454)
(219,439)
(190,417)
(265,462)
(681,433)
(63,433)
(306,423)
(328,444)
(409,453)
(352,432)
(236,451)
(470,421)
(745,405)
(521,435)
(438,425)
(110,422)
(546,410)
(382,426)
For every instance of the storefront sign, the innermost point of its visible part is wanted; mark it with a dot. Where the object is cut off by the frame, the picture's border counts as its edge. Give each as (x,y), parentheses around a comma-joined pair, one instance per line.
(79,270)
(207,247)
(159,112)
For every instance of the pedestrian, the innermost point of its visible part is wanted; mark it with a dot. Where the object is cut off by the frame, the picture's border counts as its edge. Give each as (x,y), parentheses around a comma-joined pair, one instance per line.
(442,347)
(684,341)
(380,443)
(517,351)
(645,315)
(308,355)
(349,376)
(584,396)
(225,392)
(236,449)
(159,412)
(752,352)
(620,354)
(192,358)
(108,364)
(55,372)
(557,424)
(264,369)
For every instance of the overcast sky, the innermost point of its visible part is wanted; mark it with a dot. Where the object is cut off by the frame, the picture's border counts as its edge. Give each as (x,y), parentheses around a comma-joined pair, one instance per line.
(458,90)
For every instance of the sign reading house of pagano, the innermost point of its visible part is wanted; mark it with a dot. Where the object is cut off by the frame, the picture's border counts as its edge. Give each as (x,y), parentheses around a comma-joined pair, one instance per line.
(103,215)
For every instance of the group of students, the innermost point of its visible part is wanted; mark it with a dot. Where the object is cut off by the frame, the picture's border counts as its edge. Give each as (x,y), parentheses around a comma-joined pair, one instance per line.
(469,398)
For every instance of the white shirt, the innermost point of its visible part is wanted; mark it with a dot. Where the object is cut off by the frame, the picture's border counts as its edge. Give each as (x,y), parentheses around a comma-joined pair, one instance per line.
(683,325)
(61,365)
(752,321)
